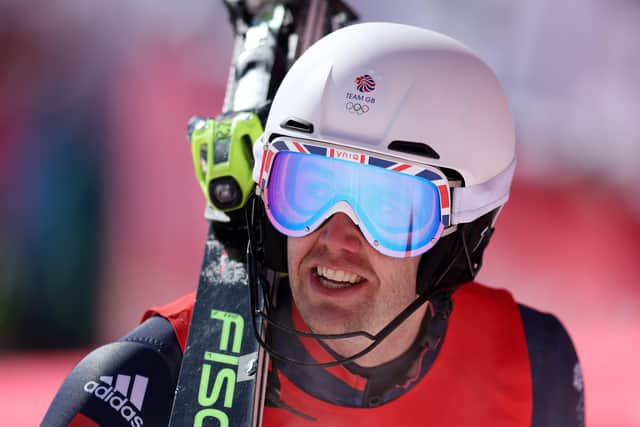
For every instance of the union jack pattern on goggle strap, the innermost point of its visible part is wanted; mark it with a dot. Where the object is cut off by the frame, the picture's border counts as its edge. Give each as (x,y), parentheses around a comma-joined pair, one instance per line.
(307,147)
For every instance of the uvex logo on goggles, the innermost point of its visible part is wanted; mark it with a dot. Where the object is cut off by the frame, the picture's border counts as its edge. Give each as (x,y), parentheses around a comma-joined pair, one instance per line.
(400,208)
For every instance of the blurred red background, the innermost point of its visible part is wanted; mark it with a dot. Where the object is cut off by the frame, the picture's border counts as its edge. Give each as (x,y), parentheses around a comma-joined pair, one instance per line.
(566,243)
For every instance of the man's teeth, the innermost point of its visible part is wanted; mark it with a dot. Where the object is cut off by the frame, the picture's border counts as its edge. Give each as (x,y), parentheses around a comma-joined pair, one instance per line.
(345,277)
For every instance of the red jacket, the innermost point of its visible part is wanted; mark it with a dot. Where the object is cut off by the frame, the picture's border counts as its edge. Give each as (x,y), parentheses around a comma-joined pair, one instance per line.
(481,376)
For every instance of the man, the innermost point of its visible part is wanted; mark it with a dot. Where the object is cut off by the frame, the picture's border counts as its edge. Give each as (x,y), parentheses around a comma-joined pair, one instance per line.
(387,155)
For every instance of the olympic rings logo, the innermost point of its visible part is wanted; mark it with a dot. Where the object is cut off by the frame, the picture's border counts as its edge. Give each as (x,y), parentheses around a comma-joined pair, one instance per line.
(356,107)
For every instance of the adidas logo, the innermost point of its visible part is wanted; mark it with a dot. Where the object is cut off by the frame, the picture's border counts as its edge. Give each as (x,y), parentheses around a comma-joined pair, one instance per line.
(120,396)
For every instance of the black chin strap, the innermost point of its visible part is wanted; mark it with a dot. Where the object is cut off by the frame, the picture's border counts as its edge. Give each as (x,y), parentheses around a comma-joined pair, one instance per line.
(264,308)
(457,260)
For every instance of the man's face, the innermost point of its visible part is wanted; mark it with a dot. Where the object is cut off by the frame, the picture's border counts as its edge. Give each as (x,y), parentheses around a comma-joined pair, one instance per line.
(341,284)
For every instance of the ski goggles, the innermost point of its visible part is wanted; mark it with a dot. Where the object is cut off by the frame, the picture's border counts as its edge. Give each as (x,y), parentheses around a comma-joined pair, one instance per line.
(401,208)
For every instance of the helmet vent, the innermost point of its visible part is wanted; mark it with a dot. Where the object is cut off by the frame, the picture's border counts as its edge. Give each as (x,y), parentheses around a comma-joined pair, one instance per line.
(298,125)
(415,148)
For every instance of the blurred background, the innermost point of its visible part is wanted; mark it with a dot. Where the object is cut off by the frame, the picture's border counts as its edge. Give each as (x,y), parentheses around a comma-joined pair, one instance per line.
(101,217)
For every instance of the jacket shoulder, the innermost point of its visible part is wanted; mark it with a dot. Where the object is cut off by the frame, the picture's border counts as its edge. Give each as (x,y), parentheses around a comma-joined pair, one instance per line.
(558,388)
(128,382)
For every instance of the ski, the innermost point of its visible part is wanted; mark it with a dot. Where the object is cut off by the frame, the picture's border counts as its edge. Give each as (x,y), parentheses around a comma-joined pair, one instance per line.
(222,378)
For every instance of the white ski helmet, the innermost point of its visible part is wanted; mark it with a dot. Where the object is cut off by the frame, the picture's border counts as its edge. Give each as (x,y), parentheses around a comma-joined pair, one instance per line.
(404,92)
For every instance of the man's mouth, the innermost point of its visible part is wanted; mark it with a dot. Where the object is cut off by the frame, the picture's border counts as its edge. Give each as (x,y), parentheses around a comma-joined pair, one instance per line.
(337,279)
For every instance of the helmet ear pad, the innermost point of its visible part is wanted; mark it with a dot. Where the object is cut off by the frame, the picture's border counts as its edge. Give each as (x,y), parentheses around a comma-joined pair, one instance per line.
(456,258)
(274,243)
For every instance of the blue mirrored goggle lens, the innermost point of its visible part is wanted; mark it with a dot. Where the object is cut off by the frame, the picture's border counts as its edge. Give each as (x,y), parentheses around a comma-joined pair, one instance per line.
(399,212)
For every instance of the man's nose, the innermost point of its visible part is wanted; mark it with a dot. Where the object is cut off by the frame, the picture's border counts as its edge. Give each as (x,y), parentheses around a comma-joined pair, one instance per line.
(340,233)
